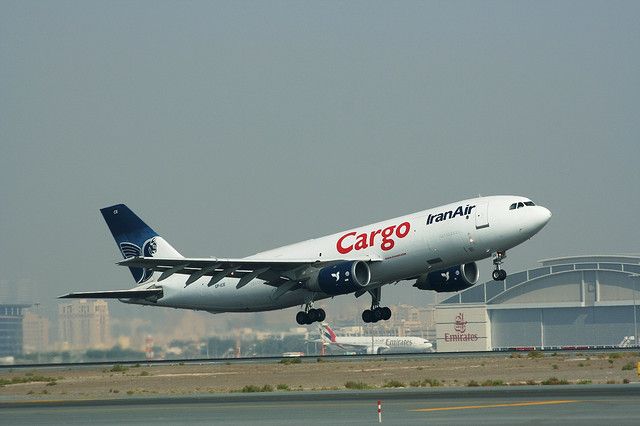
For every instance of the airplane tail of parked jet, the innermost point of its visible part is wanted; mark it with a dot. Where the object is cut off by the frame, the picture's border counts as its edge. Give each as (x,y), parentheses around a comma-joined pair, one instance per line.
(327,333)
(135,238)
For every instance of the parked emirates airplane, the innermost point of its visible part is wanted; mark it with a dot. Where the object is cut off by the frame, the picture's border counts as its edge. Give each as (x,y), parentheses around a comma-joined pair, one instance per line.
(435,248)
(375,344)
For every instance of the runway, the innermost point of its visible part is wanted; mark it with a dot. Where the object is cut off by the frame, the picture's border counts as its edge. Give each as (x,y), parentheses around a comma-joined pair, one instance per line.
(566,405)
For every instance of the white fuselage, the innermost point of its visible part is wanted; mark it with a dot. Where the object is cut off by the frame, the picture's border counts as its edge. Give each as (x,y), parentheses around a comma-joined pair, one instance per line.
(401,248)
(384,344)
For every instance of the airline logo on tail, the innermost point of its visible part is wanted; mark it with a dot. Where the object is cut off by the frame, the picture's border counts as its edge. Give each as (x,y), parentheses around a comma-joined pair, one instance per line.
(129,249)
(328,333)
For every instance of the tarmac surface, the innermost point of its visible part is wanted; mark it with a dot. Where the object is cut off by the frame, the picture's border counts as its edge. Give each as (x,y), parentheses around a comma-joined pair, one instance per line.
(566,405)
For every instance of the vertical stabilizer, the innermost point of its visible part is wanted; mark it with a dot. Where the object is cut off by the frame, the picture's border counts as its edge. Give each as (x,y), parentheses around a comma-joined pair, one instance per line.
(135,238)
(328,333)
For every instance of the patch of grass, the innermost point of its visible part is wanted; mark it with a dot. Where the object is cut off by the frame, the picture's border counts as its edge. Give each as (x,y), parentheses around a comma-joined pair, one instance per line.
(420,368)
(611,382)
(531,382)
(583,382)
(357,385)
(615,355)
(610,361)
(254,388)
(535,354)
(26,379)
(473,384)
(282,386)
(118,368)
(625,381)
(137,365)
(288,361)
(394,384)
(145,373)
(554,381)
(581,364)
(515,355)
(53,383)
(425,382)
(627,367)
(493,383)
(130,392)
(554,366)
(320,360)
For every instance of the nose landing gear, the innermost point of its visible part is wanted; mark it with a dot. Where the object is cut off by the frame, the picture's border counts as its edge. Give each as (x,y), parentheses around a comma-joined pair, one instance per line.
(499,274)
(377,312)
(310,315)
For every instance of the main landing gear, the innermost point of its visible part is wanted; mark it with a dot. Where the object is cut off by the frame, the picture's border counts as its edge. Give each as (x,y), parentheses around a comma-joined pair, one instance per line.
(499,274)
(377,312)
(310,315)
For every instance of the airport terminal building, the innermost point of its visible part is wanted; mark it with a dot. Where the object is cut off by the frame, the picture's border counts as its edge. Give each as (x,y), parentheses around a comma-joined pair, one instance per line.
(580,301)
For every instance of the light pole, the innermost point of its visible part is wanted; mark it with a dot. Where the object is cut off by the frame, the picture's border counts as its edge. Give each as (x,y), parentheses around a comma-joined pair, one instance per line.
(635,321)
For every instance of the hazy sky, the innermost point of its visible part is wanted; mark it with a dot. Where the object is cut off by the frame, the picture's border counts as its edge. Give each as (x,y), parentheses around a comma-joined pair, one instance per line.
(234,127)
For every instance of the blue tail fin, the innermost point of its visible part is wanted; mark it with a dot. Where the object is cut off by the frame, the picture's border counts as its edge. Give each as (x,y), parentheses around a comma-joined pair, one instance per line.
(135,238)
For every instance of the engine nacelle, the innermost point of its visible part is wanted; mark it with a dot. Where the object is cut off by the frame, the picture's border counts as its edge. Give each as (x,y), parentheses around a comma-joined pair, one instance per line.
(341,278)
(449,280)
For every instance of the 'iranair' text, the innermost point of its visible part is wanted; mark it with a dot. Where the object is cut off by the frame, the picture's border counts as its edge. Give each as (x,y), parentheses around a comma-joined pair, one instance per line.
(460,211)
(352,241)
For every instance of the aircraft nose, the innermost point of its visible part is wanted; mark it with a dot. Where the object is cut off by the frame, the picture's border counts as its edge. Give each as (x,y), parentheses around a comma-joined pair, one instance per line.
(540,218)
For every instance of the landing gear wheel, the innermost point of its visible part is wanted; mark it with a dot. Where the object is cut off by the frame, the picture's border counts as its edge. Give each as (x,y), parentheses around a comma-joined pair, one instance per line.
(367,316)
(499,275)
(321,315)
(386,313)
(302,318)
(313,315)
(377,314)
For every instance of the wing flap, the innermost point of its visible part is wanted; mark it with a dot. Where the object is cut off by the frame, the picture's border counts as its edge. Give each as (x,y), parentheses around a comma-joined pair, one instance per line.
(272,270)
(115,294)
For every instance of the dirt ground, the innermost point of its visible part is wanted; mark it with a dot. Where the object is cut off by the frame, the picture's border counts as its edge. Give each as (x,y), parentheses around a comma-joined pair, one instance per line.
(117,382)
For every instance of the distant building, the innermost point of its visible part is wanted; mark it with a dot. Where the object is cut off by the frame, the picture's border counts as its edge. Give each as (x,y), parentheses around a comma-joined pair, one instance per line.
(11,335)
(407,320)
(580,301)
(84,324)
(35,332)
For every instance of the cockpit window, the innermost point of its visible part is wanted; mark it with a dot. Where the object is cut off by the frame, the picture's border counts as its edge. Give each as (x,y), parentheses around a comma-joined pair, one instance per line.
(521,204)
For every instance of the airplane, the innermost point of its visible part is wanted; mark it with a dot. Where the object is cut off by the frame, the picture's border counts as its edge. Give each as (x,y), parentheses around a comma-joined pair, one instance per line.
(373,344)
(436,248)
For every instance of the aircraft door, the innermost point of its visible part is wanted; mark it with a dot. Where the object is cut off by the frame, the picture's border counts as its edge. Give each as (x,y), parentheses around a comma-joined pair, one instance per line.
(444,246)
(482,215)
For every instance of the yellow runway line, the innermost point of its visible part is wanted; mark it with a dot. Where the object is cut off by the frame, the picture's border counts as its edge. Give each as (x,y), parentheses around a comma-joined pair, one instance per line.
(515,404)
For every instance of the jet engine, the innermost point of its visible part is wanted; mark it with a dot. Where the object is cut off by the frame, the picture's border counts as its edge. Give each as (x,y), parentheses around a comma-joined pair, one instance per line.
(341,278)
(449,280)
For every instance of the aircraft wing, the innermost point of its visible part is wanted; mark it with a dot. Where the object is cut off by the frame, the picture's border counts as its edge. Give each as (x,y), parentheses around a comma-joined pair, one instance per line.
(275,272)
(115,294)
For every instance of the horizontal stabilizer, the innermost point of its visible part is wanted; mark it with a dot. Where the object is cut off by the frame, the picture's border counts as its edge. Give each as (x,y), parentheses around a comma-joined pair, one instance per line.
(115,294)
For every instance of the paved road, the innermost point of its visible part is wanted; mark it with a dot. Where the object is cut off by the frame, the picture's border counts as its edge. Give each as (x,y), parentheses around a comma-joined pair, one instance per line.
(566,405)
